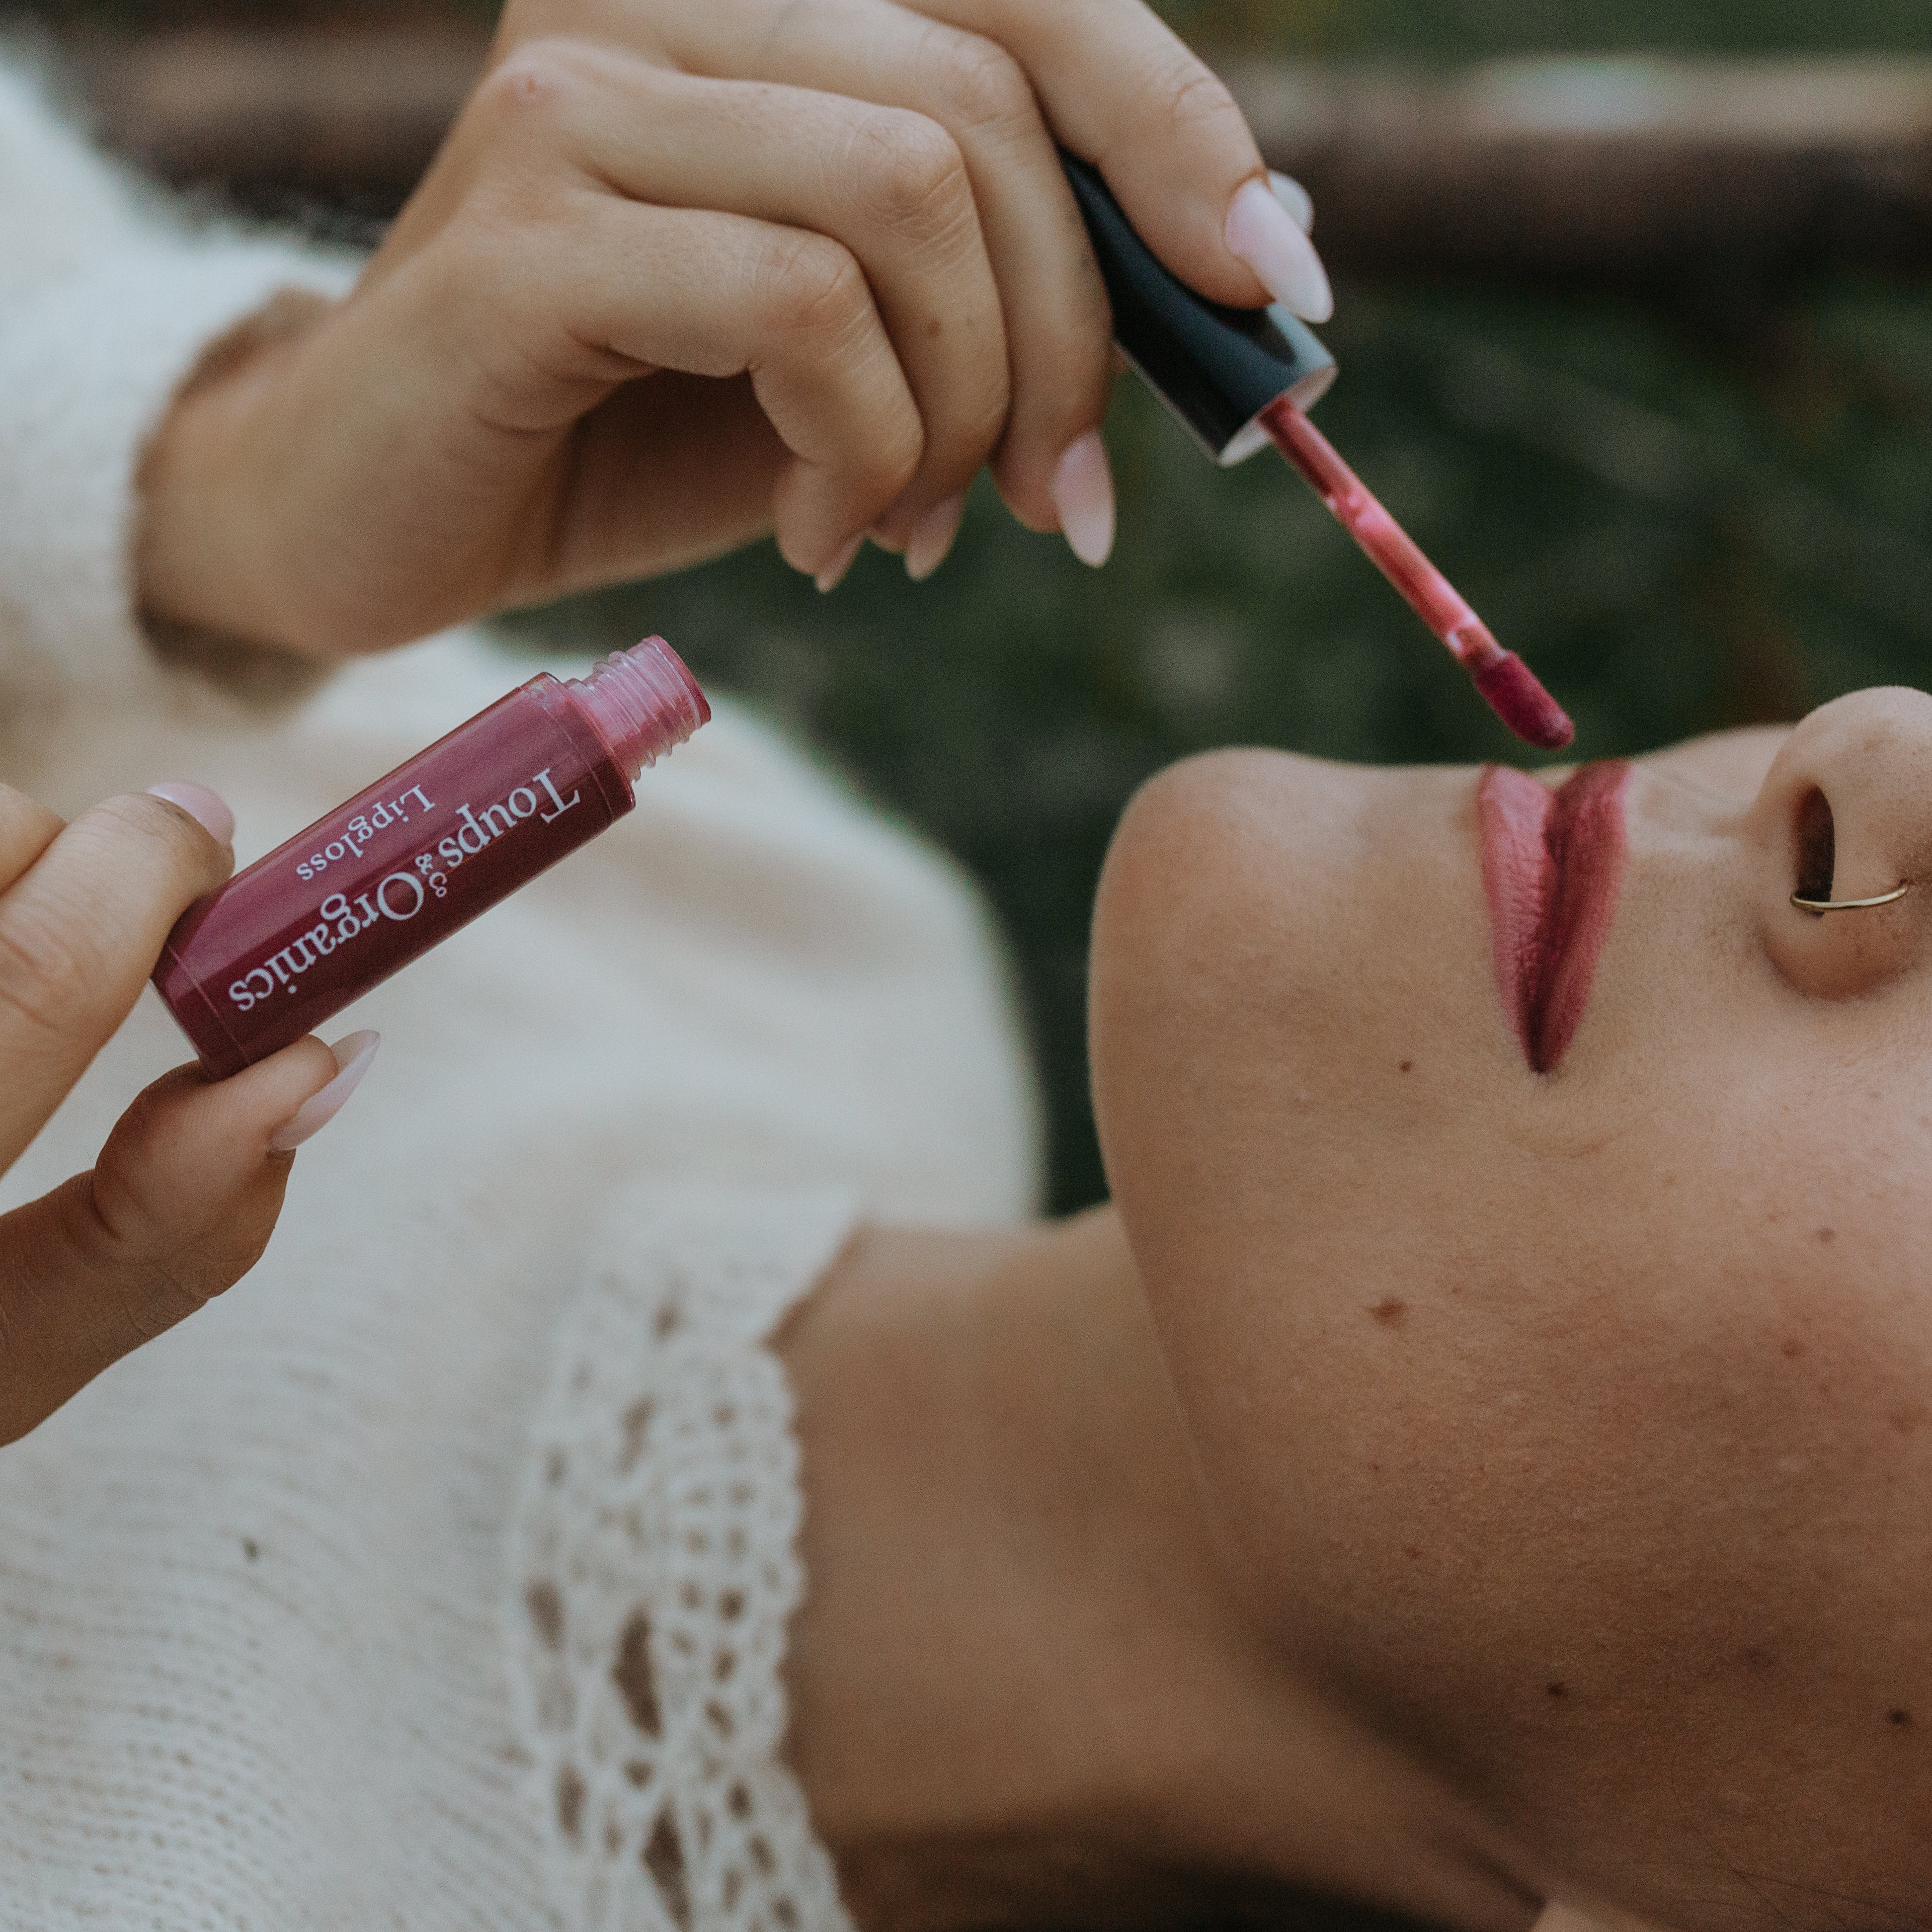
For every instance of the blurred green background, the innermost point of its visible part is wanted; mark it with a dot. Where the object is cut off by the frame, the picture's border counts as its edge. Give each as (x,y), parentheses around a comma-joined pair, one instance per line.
(1707,506)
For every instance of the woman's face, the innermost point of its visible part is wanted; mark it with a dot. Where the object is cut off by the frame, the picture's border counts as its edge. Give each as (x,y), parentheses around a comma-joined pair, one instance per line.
(1575,1426)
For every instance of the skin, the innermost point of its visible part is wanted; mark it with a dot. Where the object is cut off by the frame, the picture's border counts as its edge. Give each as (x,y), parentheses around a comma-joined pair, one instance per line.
(1480,1493)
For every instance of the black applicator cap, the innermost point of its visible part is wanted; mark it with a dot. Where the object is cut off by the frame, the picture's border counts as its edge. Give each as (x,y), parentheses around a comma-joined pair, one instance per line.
(1217,368)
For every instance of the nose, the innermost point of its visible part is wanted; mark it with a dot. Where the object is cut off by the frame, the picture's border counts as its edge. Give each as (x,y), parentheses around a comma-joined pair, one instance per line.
(1845,813)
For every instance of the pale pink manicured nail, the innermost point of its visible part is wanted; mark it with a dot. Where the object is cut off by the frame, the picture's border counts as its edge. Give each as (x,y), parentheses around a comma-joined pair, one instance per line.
(1083,493)
(833,575)
(932,537)
(201,805)
(353,1058)
(1263,234)
(1295,199)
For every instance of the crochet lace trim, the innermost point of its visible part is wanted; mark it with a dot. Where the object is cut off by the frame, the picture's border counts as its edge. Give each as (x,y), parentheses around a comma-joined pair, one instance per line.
(655,1569)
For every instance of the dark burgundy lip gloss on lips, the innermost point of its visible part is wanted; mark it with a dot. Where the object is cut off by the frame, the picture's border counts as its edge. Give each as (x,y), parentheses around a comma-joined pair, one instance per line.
(379,880)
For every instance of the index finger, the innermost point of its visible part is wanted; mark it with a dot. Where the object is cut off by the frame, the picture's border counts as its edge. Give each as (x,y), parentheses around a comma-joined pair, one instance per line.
(1124,90)
(80,930)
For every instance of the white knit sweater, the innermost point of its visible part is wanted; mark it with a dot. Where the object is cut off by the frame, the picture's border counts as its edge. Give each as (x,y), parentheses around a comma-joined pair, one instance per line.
(437,1576)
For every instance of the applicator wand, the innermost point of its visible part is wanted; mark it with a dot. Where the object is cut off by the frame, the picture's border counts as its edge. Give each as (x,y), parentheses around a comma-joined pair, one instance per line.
(1239,379)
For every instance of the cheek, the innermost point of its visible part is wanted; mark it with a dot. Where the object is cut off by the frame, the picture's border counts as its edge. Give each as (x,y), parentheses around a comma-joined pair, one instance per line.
(1272,1041)
(1688,1445)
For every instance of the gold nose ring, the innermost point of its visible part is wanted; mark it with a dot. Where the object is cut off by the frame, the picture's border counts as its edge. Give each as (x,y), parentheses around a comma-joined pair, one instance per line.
(1818,907)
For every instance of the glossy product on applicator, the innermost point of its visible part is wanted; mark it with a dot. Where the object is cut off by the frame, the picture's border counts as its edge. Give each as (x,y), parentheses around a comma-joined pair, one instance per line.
(1239,379)
(379,881)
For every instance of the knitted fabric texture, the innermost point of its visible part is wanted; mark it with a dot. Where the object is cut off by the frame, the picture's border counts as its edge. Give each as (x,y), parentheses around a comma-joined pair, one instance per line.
(104,296)
(655,1570)
(259,1649)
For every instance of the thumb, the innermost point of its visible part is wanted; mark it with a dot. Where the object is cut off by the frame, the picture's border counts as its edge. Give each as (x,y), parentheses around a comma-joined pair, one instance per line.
(179,1206)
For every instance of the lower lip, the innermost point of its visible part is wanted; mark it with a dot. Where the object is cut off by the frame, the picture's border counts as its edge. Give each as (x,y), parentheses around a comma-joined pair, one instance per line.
(1552,866)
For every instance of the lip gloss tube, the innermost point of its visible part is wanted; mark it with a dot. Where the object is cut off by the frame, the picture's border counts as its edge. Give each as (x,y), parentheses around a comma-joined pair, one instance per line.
(379,881)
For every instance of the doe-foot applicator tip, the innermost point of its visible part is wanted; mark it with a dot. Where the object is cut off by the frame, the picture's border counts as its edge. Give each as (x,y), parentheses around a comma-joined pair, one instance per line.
(1511,688)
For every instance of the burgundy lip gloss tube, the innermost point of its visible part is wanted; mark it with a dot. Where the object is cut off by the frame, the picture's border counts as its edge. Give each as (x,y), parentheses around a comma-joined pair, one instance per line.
(379,880)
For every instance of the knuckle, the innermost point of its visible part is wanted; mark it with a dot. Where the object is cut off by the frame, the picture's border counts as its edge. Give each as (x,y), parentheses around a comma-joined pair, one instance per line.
(115,1222)
(154,1249)
(135,1279)
(48,971)
(912,176)
(151,1300)
(980,84)
(491,255)
(532,82)
(815,287)
(1185,93)
(140,816)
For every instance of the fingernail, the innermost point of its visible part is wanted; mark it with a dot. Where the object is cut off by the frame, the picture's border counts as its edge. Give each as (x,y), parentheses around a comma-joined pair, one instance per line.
(1295,199)
(352,1059)
(1083,493)
(201,805)
(833,575)
(1263,234)
(932,537)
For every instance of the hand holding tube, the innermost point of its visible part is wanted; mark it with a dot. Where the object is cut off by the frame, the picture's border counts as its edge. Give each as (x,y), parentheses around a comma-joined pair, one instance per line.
(186,1193)
(682,275)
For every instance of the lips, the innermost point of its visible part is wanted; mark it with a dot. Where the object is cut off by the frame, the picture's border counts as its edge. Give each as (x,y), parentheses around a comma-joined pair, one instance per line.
(1552,864)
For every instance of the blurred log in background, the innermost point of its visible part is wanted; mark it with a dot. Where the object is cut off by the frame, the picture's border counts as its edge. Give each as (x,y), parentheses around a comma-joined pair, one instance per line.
(1626,169)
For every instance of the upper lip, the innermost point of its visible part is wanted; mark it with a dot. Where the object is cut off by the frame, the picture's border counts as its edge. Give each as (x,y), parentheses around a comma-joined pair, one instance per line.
(1553,863)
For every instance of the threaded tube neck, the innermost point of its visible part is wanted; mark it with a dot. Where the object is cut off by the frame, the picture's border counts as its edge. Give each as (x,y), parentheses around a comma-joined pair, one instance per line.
(643,702)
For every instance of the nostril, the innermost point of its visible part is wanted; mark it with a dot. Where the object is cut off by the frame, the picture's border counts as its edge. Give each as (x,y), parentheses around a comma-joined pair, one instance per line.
(1817,845)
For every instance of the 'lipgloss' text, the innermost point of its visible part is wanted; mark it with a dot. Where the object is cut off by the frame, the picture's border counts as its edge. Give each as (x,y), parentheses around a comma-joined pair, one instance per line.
(400,895)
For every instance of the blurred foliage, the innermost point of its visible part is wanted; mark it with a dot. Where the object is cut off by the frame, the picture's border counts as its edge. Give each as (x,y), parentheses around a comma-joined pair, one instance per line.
(1710,508)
